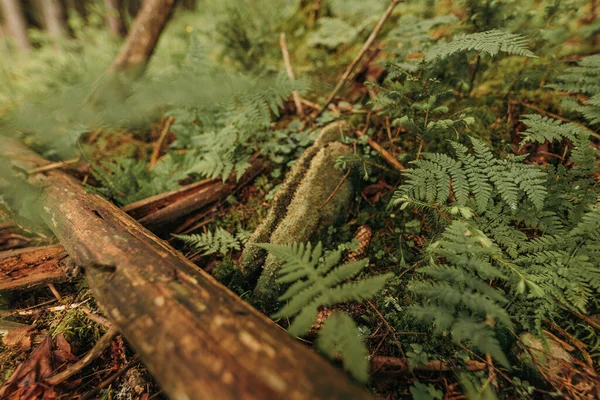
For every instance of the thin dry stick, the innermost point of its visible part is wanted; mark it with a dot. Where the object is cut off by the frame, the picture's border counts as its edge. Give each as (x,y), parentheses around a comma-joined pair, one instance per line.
(99,319)
(54,291)
(52,166)
(161,139)
(92,394)
(360,55)
(335,190)
(94,353)
(387,156)
(290,72)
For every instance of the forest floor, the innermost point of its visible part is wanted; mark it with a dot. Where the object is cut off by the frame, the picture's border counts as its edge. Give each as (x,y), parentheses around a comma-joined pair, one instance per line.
(372,172)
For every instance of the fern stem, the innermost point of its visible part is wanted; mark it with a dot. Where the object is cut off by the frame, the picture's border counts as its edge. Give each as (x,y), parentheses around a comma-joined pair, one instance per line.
(474,74)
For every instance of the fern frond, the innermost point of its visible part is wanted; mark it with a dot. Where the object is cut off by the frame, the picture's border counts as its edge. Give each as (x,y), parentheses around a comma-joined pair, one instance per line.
(339,336)
(316,283)
(490,42)
(542,129)
(208,243)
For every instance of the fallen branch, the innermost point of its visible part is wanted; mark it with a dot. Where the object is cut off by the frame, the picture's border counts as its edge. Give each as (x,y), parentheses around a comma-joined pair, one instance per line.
(360,55)
(32,267)
(394,365)
(198,339)
(94,353)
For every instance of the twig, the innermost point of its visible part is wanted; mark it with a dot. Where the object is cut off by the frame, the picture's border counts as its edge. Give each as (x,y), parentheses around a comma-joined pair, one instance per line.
(159,143)
(52,166)
(392,330)
(335,190)
(94,353)
(492,371)
(385,364)
(309,103)
(290,72)
(585,318)
(51,309)
(360,55)
(55,292)
(386,155)
(92,393)
(99,319)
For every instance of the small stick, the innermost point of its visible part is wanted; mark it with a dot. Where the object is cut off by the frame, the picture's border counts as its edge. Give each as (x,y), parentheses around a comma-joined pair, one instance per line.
(94,353)
(290,72)
(55,292)
(386,364)
(51,309)
(360,55)
(310,103)
(52,166)
(384,153)
(161,139)
(92,393)
(336,189)
(99,319)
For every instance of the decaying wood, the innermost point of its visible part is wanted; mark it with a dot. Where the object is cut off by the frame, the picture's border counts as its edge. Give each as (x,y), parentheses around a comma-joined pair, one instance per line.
(31,267)
(190,199)
(197,338)
(384,365)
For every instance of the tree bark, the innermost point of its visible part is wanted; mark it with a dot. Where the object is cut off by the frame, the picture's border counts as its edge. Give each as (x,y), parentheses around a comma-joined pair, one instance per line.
(32,267)
(15,20)
(55,18)
(144,34)
(199,340)
(115,17)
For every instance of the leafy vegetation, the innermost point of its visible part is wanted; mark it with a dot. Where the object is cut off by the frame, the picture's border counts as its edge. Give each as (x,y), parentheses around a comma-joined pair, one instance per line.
(487,233)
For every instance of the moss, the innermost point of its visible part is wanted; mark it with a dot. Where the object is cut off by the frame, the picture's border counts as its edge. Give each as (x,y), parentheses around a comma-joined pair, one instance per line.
(310,210)
(253,257)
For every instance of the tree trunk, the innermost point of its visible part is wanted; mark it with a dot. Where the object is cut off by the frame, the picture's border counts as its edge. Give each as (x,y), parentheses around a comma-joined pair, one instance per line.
(15,20)
(199,340)
(55,18)
(115,18)
(144,34)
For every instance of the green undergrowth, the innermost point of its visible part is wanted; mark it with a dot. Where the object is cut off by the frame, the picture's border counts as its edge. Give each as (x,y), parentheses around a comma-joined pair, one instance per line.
(489,234)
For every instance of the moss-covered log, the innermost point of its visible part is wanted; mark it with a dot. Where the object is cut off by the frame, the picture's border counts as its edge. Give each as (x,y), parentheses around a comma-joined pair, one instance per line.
(198,339)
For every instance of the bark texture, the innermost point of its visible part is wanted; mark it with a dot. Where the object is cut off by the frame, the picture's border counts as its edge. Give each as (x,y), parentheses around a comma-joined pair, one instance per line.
(36,266)
(198,339)
(15,20)
(144,34)
(31,267)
